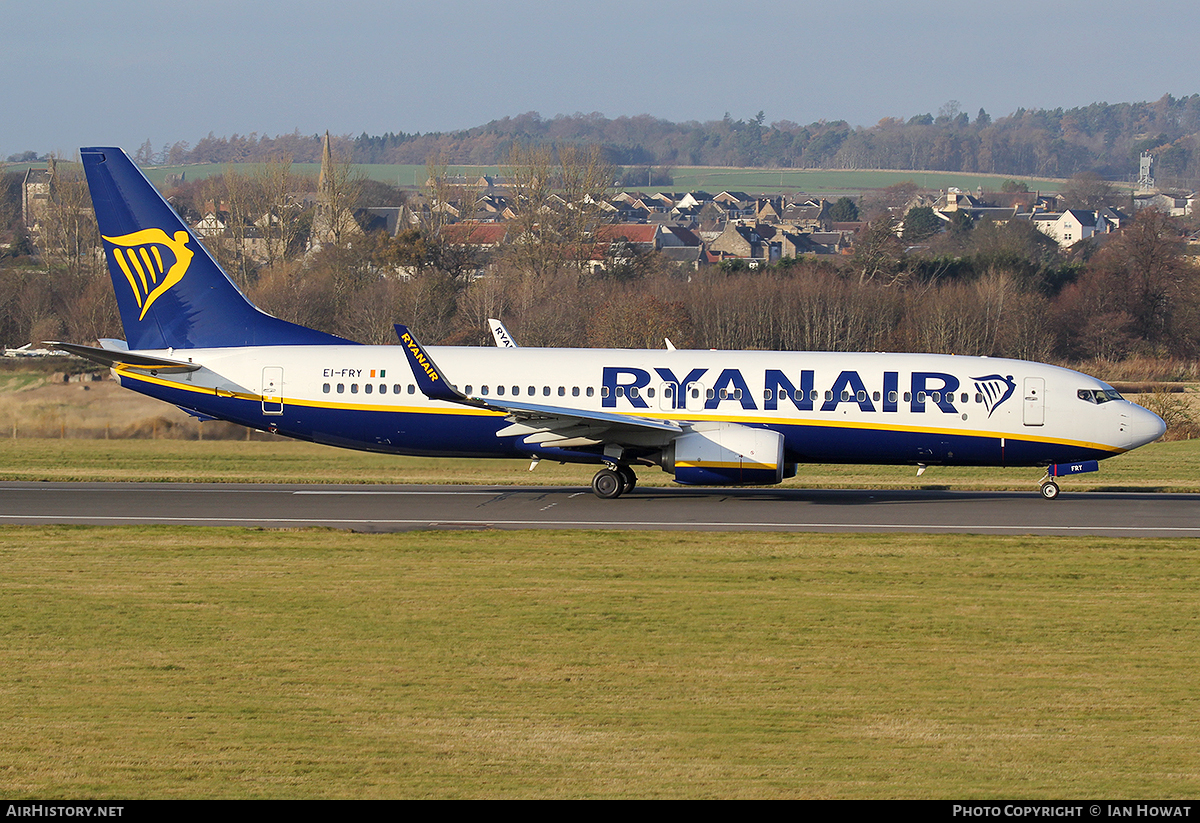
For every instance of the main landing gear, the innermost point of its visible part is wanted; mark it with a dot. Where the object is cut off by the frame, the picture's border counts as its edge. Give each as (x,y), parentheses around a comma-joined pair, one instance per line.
(613,481)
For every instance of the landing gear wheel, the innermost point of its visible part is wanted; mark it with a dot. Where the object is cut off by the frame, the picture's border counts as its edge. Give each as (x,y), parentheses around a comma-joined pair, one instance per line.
(1050,490)
(608,484)
(628,478)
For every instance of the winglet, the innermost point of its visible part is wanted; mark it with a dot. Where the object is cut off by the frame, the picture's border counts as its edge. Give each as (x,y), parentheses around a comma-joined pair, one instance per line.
(429,377)
(504,340)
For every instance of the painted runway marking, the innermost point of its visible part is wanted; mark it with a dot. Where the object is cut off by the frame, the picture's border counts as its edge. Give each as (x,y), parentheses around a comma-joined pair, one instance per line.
(418,494)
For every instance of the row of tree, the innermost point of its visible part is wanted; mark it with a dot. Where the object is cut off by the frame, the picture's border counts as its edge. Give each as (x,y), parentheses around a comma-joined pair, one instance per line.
(1104,138)
(987,289)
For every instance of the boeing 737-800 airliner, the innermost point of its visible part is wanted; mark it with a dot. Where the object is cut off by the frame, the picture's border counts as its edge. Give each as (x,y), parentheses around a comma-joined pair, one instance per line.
(705,417)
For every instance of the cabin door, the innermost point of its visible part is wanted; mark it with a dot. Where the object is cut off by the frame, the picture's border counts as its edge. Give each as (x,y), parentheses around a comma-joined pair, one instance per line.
(1035,401)
(272,390)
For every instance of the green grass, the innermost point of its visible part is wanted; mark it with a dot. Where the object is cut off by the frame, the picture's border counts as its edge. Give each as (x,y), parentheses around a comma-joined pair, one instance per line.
(1173,466)
(173,662)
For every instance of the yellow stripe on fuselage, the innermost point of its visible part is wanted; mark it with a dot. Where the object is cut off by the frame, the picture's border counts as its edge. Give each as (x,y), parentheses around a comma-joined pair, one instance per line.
(756,420)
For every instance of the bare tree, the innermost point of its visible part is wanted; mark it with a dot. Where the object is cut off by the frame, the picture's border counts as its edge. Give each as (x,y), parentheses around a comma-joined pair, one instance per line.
(1088,191)
(70,240)
(877,252)
(558,192)
(279,213)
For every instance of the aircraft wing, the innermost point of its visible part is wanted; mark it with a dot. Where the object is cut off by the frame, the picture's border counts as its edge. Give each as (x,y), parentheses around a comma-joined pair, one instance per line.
(560,426)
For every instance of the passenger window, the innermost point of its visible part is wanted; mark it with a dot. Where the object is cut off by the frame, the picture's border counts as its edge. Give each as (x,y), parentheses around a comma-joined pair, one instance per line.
(383,388)
(575,391)
(603,391)
(936,396)
(861,396)
(516,391)
(964,397)
(812,395)
(633,391)
(891,397)
(737,394)
(591,391)
(367,388)
(341,388)
(354,388)
(483,390)
(709,394)
(412,389)
(908,397)
(467,390)
(828,395)
(649,392)
(875,397)
(545,391)
(668,392)
(920,397)
(978,397)
(724,394)
(325,388)
(620,391)
(500,391)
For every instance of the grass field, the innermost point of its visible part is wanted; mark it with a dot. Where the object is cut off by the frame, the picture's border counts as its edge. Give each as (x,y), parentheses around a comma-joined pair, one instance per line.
(172,662)
(1173,467)
(209,663)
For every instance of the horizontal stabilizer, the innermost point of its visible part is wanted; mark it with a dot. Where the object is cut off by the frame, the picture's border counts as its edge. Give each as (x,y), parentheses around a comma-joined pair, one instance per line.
(116,358)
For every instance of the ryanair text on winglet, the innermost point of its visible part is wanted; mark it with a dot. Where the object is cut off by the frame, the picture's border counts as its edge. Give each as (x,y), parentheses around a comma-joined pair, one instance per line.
(419,356)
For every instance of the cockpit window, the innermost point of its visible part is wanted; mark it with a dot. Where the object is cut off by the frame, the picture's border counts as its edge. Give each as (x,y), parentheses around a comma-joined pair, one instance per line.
(1098,395)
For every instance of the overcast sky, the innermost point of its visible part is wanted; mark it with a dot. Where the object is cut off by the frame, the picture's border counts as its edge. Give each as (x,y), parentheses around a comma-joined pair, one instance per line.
(84,73)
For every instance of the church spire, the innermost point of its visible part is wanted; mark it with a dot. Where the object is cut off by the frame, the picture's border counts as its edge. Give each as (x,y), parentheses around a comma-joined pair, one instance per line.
(325,178)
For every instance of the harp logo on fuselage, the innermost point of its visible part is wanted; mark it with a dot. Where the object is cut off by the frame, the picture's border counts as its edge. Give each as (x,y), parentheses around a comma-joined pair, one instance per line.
(152,262)
(995,389)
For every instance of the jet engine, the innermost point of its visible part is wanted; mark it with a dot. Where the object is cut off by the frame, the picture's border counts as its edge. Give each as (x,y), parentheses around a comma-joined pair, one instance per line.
(721,454)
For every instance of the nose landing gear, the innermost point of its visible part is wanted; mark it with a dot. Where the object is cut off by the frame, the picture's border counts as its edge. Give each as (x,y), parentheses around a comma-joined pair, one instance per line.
(1048,485)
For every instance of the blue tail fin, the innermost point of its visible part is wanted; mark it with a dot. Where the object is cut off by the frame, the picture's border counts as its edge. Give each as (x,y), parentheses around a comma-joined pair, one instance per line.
(170,291)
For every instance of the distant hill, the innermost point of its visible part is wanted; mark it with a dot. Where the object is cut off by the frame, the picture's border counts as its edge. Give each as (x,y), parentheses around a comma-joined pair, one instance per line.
(1104,138)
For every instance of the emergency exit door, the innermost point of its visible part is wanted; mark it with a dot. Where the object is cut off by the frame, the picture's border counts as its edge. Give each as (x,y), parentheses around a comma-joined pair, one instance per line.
(272,390)
(1035,401)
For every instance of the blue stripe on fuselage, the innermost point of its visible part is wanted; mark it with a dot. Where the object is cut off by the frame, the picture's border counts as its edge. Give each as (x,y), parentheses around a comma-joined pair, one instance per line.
(455,433)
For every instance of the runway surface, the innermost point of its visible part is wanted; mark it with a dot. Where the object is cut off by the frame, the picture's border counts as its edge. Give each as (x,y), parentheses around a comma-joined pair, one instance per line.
(401,508)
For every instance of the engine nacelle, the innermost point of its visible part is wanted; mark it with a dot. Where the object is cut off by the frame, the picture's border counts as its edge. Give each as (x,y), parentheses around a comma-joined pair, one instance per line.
(726,454)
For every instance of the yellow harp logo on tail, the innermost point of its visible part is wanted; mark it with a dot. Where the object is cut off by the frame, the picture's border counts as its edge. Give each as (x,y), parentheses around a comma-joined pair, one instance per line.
(152,262)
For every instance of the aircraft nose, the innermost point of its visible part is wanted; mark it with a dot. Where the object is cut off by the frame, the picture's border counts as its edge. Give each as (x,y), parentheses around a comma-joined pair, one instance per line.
(1144,426)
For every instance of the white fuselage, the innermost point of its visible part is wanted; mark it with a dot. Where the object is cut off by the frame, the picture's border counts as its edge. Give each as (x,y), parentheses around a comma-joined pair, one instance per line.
(830,407)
